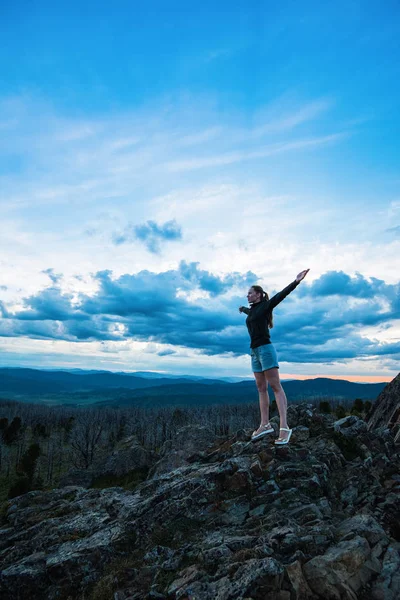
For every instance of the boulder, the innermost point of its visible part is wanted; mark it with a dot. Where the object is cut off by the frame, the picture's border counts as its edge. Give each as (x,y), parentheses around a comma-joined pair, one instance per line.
(130,458)
(350,426)
(342,571)
(127,459)
(362,525)
(298,582)
(188,441)
(387,585)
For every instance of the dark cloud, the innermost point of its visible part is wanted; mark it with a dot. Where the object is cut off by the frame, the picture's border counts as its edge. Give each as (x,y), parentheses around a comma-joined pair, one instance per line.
(338,283)
(166,352)
(318,322)
(151,233)
(49,304)
(208,282)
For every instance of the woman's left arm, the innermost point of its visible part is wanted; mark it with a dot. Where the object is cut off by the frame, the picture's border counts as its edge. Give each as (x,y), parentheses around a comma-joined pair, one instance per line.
(275,300)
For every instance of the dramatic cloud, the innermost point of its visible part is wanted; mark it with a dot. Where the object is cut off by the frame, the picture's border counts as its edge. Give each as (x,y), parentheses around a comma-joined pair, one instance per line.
(195,309)
(340,284)
(210,283)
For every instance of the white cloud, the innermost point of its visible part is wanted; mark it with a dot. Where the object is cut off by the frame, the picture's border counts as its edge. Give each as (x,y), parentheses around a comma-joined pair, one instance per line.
(275,122)
(239,156)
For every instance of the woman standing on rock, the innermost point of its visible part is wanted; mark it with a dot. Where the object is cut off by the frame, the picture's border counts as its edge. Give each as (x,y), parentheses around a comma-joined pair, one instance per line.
(264,361)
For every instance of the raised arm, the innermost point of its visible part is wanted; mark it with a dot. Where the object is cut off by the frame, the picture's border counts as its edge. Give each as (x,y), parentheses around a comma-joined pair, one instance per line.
(274,301)
(244,309)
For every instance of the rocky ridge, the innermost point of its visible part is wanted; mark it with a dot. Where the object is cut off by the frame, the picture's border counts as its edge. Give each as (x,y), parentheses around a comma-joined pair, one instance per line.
(230,519)
(386,409)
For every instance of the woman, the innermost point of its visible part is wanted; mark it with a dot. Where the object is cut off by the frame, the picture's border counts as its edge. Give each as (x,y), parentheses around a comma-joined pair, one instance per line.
(264,360)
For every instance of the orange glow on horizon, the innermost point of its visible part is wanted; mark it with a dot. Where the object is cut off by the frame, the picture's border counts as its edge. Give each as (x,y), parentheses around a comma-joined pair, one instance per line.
(355,378)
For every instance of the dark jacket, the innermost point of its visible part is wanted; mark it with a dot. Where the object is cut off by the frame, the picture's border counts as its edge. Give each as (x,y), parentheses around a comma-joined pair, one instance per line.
(258,314)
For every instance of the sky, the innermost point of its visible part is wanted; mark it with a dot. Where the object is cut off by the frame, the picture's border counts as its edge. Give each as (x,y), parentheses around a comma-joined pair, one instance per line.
(158,159)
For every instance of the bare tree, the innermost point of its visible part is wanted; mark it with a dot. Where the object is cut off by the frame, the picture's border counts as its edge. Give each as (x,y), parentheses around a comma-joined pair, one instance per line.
(86,436)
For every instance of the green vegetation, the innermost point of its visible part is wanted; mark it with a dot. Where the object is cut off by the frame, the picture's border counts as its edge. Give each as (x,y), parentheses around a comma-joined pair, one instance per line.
(340,412)
(325,407)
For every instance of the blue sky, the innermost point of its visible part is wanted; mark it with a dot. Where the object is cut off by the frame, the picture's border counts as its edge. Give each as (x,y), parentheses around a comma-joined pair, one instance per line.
(157,160)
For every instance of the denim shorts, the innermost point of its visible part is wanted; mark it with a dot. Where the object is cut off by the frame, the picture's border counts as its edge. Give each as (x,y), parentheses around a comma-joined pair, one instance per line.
(263,358)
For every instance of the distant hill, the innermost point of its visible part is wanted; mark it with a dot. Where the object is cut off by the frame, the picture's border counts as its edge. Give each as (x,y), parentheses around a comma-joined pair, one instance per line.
(122,389)
(245,391)
(35,381)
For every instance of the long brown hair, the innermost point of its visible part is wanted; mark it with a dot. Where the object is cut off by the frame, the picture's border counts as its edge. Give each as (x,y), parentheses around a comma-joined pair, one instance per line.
(264,296)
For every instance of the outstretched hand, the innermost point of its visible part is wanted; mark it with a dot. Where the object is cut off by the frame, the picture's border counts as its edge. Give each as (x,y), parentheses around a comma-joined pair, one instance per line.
(301,275)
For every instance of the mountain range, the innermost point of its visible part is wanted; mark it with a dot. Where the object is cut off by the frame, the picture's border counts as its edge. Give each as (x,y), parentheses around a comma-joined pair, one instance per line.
(152,389)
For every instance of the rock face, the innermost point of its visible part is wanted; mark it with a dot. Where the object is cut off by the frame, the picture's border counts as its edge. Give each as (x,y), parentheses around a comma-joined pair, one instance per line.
(235,520)
(386,409)
(129,459)
(188,443)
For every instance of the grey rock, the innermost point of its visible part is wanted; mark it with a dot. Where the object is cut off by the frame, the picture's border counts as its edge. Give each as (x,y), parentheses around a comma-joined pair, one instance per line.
(387,585)
(180,586)
(216,555)
(300,434)
(158,555)
(305,514)
(187,442)
(386,409)
(350,426)
(238,542)
(256,578)
(362,525)
(301,589)
(342,571)
(131,457)
(235,511)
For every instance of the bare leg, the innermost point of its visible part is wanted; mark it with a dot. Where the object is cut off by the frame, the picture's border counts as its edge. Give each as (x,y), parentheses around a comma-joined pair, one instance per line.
(272,376)
(263,397)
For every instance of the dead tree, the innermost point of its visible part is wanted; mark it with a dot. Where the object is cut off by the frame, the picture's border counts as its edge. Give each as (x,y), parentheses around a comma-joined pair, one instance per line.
(86,436)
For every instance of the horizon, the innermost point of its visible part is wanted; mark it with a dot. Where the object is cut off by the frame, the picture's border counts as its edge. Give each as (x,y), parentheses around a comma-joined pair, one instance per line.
(143,190)
(284,376)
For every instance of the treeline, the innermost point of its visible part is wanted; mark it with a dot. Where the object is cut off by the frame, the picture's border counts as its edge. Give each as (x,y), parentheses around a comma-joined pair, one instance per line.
(39,444)
(359,408)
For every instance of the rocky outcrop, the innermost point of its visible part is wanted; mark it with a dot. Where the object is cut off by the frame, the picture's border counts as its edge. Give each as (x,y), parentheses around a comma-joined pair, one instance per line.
(386,409)
(130,459)
(129,456)
(235,520)
(188,443)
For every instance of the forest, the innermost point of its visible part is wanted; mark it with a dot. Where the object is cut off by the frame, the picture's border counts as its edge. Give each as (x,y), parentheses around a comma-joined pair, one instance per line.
(39,444)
